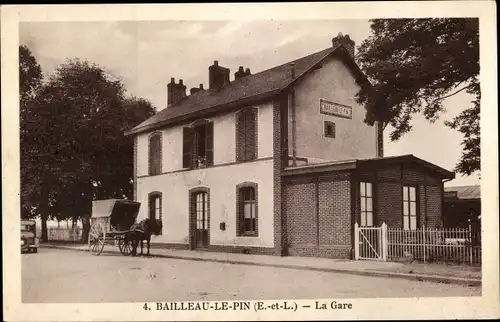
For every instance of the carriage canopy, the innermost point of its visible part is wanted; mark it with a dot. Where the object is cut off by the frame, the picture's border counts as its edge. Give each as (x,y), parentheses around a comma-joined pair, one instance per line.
(121,212)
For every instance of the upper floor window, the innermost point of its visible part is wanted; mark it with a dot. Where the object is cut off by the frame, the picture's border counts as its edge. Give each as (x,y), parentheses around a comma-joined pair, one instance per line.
(366,195)
(155,205)
(246,134)
(329,129)
(247,213)
(198,145)
(409,208)
(155,153)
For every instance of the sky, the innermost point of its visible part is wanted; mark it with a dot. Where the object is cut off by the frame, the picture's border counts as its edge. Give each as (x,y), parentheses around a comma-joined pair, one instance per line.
(146,54)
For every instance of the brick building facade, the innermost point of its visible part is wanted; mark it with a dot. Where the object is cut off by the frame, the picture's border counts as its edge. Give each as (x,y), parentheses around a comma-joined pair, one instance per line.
(279,162)
(324,201)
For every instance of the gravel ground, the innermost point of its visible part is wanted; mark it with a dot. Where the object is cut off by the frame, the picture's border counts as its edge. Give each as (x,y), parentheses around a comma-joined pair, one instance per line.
(60,276)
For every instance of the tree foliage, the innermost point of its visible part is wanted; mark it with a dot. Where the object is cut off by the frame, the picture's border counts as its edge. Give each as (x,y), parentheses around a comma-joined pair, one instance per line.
(30,80)
(75,130)
(413,66)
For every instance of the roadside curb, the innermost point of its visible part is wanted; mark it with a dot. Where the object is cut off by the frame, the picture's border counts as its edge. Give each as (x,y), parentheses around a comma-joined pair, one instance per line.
(373,273)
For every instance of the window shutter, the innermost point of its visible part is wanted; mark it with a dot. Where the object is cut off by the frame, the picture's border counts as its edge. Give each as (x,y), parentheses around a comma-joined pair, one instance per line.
(251,135)
(150,156)
(210,143)
(187,145)
(240,137)
(155,154)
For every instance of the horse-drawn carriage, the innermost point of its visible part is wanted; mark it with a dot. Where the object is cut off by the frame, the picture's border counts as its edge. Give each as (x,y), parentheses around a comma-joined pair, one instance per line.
(115,219)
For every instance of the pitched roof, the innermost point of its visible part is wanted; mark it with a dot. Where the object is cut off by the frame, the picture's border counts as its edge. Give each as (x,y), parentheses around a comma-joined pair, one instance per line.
(245,90)
(466,192)
(359,163)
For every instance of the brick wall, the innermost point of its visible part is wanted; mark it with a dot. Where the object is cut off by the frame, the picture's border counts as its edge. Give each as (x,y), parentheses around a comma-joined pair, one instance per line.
(434,206)
(410,174)
(422,197)
(301,215)
(319,216)
(279,231)
(318,207)
(391,173)
(335,213)
(388,194)
(390,210)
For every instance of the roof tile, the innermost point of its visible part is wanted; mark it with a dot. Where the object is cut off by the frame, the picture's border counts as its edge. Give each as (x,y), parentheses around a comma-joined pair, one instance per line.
(254,85)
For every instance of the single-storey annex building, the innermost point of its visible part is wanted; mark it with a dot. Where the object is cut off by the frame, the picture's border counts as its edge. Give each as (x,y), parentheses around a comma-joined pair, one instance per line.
(278,162)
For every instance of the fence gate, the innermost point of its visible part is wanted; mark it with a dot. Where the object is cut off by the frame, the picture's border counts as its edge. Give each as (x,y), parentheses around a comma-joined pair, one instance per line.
(370,242)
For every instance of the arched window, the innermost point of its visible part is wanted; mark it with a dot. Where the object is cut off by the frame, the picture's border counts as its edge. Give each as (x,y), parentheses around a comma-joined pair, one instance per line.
(155,205)
(155,153)
(247,209)
(246,134)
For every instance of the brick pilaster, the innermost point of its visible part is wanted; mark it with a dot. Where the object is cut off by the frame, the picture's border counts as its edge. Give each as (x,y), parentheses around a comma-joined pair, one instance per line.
(279,220)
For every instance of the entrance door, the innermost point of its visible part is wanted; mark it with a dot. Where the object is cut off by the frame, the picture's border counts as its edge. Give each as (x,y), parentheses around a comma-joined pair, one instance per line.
(201,215)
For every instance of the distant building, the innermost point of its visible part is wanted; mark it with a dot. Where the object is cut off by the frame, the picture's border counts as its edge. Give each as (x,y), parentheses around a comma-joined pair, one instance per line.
(462,208)
(461,204)
(278,162)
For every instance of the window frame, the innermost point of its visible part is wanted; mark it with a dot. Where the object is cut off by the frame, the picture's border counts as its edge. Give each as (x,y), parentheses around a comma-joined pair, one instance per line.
(152,170)
(191,153)
(245,149)
(364,198)
(408,205)
(331,124)
(240,213)
(193,215)
(152,197)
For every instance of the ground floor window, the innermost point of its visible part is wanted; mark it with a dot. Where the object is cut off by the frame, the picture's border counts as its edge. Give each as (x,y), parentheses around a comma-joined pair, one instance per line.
(366,198)
(409,208)
(247,220)
(155,205)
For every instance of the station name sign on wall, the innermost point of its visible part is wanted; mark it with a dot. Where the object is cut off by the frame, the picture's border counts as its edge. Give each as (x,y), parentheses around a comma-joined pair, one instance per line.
(336,109)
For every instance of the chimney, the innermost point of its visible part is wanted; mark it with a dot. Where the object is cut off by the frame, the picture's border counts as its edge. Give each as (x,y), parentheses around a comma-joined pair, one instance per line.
(175,92)
(240,73)
(344,41)
(196,89)
(218,76)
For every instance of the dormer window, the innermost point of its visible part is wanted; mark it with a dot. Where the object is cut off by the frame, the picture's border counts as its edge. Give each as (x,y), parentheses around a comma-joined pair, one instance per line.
(198,145)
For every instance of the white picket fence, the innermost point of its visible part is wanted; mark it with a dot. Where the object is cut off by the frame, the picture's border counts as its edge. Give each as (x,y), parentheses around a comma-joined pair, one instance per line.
(64,234)
(455,245)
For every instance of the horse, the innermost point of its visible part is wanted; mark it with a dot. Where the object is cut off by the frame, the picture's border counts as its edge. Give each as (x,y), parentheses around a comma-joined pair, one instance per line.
(142,231)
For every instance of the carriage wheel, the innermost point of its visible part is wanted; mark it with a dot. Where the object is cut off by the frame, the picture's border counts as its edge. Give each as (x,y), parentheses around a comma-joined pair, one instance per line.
(97,237)
(125,246)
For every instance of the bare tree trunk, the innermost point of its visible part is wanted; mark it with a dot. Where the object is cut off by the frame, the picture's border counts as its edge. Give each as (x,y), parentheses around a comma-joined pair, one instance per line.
(44,208)
(44,226)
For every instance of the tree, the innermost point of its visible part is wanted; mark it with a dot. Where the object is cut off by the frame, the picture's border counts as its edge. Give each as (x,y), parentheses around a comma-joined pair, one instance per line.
(82,153)
(413,66)
(30,80)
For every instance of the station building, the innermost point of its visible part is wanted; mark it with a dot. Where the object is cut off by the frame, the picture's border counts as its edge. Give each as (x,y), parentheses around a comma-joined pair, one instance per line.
(277,162)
